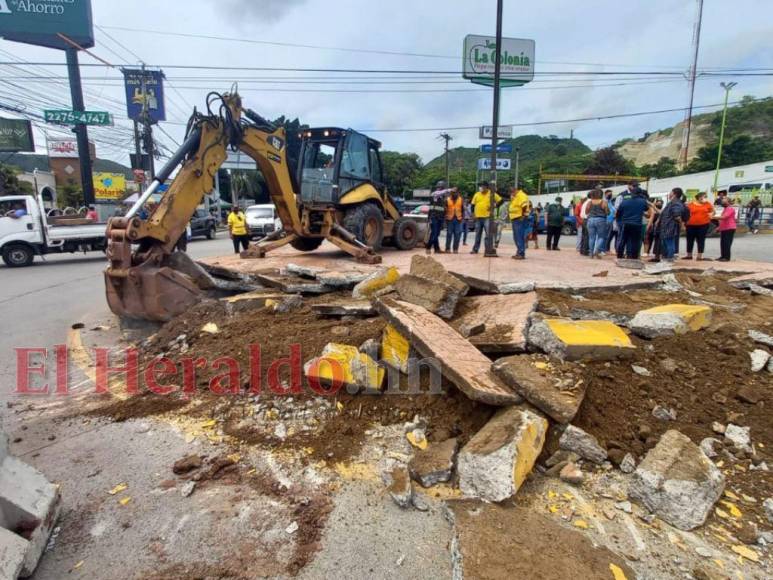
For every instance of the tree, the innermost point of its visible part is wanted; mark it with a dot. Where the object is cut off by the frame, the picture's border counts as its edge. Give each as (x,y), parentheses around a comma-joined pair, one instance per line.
(607,161)
(665,167)
(399,170)
(742,150)
(69,195)
(10,184)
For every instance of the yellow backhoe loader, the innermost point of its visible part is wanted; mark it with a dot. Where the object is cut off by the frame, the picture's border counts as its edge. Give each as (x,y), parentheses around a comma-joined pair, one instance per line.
(336,194)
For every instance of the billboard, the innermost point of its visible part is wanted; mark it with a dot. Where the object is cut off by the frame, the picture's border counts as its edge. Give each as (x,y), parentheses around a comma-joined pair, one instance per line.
(144,87)
(39,22)
(516,56)
(503,132)
(109,186)
(62,148)
(16,135)
(501,148)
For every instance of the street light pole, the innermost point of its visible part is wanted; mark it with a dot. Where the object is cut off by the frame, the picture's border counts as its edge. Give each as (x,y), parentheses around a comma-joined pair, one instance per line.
(491,251)
(727,87)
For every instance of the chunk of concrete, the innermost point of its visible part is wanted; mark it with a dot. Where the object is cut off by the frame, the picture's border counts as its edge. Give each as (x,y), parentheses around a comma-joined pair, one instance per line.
(459,361)
(310,272)
(12,551)
(293,284)
(468,329)
(505,317)
(437,297)
(434,464)
(677,482)
(759,359)
(583,444)
(395,349)
(344,365)
(768,505)
(430,269)
(29,507)
(670,319)
(628,464)
(761,338)
(576,339)
(400,488)
(362,308)
(499,457)
(570,473)
(342,279)
(372,348)
(517,287)
(740,437)
(538,385)
(250,300)
(378,280)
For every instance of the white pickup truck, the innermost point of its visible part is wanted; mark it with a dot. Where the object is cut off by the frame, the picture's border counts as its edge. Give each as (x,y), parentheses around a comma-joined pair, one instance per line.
(26,231)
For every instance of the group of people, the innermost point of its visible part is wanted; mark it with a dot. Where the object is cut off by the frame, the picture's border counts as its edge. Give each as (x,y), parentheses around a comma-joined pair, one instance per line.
(635,222)
(631,224)
(449,208)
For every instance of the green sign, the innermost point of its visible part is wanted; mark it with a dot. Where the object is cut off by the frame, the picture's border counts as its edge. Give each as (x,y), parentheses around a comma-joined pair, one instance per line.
(16,135)
(40,22)
(516,58)
(65,117)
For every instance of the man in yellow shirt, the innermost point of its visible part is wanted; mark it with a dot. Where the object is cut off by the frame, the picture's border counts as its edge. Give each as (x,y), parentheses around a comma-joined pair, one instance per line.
(518,211)
(481,203)
(237,228)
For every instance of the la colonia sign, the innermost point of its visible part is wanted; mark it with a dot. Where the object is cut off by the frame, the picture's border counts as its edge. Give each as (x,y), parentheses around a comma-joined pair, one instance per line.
(517,57)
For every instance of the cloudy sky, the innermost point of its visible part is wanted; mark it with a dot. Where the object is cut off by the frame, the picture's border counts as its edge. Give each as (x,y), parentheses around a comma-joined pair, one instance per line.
(587,37)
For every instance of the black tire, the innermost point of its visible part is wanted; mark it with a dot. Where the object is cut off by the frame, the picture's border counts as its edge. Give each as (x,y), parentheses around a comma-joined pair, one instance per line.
(567,230)
(366,223)
(211,233)
(18,255)
(406,234)
(306,244)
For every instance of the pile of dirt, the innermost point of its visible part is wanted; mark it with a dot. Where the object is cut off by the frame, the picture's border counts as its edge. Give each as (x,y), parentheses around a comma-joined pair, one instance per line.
(330,428)
(705,377)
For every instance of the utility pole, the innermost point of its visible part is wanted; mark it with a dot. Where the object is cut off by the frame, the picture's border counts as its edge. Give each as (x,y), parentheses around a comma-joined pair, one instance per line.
(727,87)
(147,133)
(696,39)
(446,137)
(81,133)
(491,251)
(517,163)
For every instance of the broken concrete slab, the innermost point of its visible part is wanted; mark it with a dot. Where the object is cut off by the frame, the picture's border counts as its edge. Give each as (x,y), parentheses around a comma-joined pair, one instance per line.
(739,436)
(583,444)
(677,482)
(505,317)
(395,349)
(468,329)
(459,361)
(437,297)
(758,290)
(670,319)
(360,308)
(342,279)
(481,285)
(372,348)
(303,271)
(576,339)
(540,386)
(293,284)
(499,457)
(434,464)
(250,300)
(430,269)
(29,508)
(344,365)
(378,280)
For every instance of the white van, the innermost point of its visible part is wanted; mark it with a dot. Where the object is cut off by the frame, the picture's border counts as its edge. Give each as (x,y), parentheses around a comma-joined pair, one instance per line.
(262,220)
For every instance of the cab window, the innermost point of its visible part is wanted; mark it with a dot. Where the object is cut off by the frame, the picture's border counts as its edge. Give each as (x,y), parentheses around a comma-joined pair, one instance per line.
(375,166)
(354,162)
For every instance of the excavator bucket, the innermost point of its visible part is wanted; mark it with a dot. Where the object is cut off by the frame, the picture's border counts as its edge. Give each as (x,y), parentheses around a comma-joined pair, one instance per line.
(150,292)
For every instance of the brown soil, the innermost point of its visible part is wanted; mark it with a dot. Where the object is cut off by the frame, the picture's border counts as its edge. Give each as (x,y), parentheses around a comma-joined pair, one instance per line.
(504,542)
(344,419)
(711,367)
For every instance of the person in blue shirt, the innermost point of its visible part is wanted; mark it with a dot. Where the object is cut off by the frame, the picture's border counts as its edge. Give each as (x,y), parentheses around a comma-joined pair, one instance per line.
(629,214)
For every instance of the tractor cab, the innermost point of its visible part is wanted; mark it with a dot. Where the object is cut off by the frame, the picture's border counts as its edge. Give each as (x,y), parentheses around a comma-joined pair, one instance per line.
(334,161)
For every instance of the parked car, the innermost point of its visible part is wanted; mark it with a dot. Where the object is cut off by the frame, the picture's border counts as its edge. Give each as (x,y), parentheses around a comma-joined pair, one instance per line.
(569,228)
(203,224)
(262,220)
